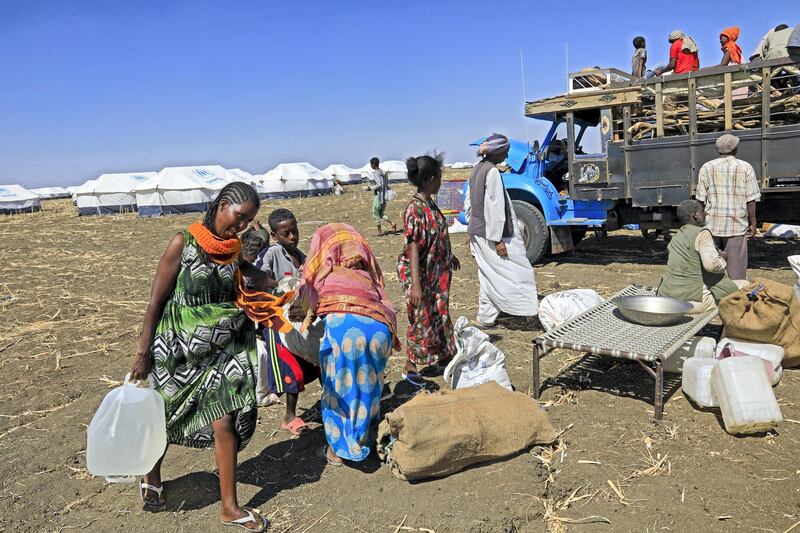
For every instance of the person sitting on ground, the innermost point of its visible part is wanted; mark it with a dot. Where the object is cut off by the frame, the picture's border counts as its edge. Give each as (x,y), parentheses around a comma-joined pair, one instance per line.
(343,285)
(208,386)
(286,372)
(695,268)
(425,268)
(773,44)
(731,51)
(379,189)
(639,60)
(683,55)
(254,240)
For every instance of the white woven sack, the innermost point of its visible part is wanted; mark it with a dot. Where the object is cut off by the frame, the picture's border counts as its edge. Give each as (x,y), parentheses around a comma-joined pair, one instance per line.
(557,308)
(477,360)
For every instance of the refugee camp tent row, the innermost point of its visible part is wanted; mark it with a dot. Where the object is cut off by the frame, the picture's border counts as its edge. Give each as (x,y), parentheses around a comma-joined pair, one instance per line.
(110,193)
(17,199)
(178,190)
(289,180)
(460,165)
(51,193)
(344,174)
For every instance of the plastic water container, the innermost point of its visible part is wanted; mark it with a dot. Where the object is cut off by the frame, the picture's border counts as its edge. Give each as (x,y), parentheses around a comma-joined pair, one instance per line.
(770,353)
(694,347)
(745,395)
(128,433)
(696,380)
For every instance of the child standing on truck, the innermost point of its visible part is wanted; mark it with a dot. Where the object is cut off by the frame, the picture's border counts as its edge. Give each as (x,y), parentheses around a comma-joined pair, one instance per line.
(639,60)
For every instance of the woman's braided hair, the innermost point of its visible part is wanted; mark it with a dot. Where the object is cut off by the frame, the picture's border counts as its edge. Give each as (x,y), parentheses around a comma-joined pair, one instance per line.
(236,193)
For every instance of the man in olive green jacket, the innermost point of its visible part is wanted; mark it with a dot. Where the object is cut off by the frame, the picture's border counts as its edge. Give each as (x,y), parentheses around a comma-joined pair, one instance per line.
(695,268)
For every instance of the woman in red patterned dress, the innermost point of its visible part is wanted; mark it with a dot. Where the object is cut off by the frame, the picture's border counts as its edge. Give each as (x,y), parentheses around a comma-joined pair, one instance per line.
(425,267)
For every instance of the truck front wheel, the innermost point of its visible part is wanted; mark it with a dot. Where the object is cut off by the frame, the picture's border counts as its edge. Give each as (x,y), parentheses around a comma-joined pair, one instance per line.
(534,230)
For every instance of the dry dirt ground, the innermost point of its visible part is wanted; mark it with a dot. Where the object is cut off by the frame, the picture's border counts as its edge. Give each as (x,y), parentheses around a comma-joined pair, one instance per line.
(72,294)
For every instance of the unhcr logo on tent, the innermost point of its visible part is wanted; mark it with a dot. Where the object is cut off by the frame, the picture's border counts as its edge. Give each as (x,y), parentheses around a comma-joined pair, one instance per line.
(214,180)
(5,192)
(203,173)
(138,177)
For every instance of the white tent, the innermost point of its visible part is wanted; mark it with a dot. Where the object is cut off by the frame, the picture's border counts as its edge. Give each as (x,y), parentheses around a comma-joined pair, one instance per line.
(461,165)
(110,193)
(395,170)
(51,193)
(17,199)
(176,190)
(86,186)
(295,179)
(237,174)
(344,174)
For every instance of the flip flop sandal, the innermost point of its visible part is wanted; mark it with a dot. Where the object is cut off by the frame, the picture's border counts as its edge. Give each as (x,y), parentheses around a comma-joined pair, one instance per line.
(322,452)
(296,426)
(414,378)
(249,517)
(143,487)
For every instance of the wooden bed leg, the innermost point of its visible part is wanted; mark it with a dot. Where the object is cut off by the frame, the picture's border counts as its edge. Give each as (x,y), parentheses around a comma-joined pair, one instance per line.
(535,371)
(659,395)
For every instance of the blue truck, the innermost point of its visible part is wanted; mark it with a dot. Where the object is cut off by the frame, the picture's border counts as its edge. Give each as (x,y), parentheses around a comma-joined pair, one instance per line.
(651,137)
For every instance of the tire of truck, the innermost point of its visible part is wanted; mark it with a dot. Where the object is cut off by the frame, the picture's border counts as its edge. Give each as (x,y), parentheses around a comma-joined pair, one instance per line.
(535,234)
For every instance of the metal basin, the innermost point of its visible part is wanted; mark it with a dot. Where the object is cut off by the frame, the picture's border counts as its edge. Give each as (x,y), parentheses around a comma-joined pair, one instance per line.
(652,310)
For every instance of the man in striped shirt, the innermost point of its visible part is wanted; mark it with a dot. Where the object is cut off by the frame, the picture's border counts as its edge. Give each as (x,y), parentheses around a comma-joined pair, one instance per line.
(728,188)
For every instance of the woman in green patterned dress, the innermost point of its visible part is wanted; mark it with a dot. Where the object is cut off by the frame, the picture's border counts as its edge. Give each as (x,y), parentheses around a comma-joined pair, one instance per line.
(201,347)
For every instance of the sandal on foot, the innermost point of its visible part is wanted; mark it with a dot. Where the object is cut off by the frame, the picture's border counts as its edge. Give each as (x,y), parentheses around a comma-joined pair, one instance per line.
(296,426)
(414,378)
(144,487)
(251,516)
(322,451)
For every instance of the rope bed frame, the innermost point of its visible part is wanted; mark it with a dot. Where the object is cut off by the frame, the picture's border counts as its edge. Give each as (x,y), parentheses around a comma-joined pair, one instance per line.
(602,331)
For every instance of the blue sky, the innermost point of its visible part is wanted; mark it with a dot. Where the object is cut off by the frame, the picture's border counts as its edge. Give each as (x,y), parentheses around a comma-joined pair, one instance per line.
(90,87)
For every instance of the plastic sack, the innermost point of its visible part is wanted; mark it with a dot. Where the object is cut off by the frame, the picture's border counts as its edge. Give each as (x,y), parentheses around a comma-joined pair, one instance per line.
(557,308)
(128,433)
(477,360)
(391,195)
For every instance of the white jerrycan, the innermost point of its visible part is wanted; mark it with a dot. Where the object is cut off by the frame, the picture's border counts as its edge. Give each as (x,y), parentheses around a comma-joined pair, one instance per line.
(128,433)
(745,395)
(696,380)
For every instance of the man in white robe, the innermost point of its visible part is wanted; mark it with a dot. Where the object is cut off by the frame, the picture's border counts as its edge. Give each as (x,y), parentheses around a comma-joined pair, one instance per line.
(507,281)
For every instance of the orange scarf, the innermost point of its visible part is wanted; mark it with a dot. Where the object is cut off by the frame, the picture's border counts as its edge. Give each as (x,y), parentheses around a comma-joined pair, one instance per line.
(731,46)
(263,307)
(223,252)
(341,275)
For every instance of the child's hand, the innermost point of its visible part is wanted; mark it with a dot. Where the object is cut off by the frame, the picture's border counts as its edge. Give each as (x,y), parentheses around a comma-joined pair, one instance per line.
(455,263)
(416,295)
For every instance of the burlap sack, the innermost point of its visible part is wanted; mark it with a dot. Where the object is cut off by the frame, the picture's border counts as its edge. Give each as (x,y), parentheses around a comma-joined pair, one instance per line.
(772,318)
(439,434)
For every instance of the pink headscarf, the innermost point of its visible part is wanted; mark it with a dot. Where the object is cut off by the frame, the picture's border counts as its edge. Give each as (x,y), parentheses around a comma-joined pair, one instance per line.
(341,275)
